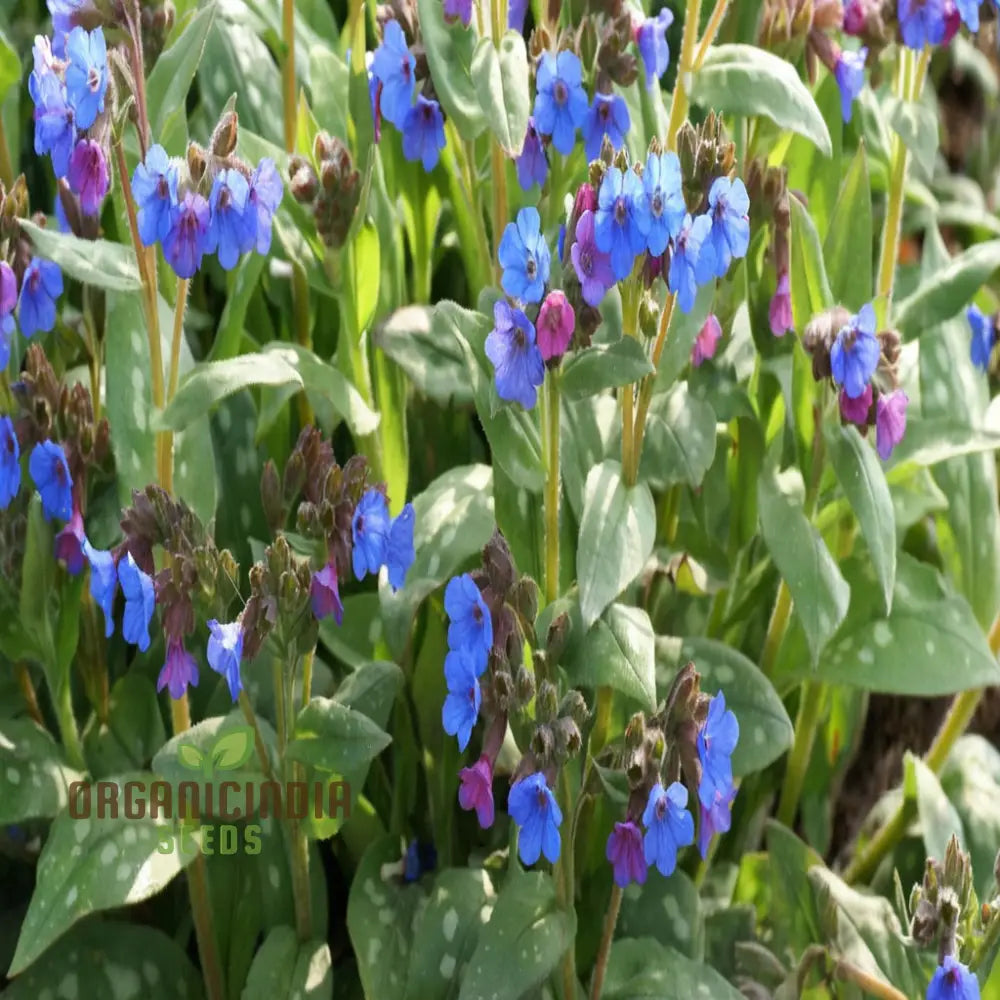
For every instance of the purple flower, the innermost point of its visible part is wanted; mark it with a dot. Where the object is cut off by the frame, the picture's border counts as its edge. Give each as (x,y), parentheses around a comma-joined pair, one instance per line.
(669,826)
(10,462)
(50,474)
(225,651)
(41,285)
(622,219)
(532,165)
(661,182)
(154,187)
(850,76)
(556,320)
(855,16)
(103,582)
(370,533)
(779,312)
(266,192)
(230,231)
(8,300)
(69,544)
(476,791)
(400,554)
(515,355)
(423,133)
(86,74)
(460,10)
(524,257)
(461,705)
(88,175)
(922,22)
(560,100)
(969,12)
(54,132)
(592,266)
(184,244)
(140,602)
(728,205)
(716,742)
(471,624)
(394,66)
(856,411)
(984,335)
(855,353)
(607,116)
(707,341)
(692,262)
(373,93)
(324,594)
(953,981)
(625,853)
(716,819)
(516,12)
(534,809)
(651,37)
(890,422)
(179,670)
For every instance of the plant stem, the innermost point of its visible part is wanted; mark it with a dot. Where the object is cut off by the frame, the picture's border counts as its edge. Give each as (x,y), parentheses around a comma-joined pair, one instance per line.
(288,73)
(67,726)
(711,30)
(806,724)
(566,888)
(6,164)
(987,946)
(303,333)
(165,455)
(869,983)
(776,629)
(602,721)
(27,687)
(552,486)
(604,952)
(251,716)
(307,673)
(499,164)
(646,386)
(679,100)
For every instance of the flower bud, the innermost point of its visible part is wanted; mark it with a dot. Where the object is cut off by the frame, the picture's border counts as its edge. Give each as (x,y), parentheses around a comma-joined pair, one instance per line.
(567,737)
(225,136)
(197,162)
(542,743)
(288,594)
(573,706)
(555,325)
(524,685)
(546,702)
(303,180)
(295,476)
(498,564)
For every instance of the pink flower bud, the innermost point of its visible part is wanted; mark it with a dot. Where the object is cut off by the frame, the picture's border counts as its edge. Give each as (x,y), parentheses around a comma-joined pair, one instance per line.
(855,411)
(706,341)
(780,311)
(890,422)
(554,329)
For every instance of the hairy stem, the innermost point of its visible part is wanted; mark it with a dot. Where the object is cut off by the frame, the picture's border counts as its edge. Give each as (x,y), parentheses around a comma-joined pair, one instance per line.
(604,952)
(566,888)
(806,725)
(776,628)
(711,30)
(646,386)
(868,983)
(67,726)
(679,101)
(251,716)
(166,451)
(552,486)
(288,73)
(28,692)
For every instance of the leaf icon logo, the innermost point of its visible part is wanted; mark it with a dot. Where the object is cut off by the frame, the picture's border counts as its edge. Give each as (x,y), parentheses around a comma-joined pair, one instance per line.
(229,752)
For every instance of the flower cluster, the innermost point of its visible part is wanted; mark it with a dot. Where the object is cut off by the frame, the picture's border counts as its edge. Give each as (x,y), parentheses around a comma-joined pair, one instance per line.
(332,189)
(41,285)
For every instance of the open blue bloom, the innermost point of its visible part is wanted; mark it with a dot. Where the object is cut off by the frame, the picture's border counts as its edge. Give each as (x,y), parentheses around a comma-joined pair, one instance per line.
(532,165)
(651,37)
(692,262)
(230,229)
(266,192)
(855,353)
(669,826)
(186,239)
(560,100)
(225,650)
(460,10)
(423,133)
(103,583)
(922,22)
(154,187)
(324,594)
(370,532)
(41,285)
(517,10)
(534,809)
(461,704)
(661,180)
(953,981)
(64,18)
(524,257)
(969,12)
(10,462)
(607,116)
(984,335)
(471,625)
(716,742)
(86,74)
(140,601)
(728,205)
(592,266)
(179,670)
(400,554)
(849,73)
(394,67)
(50,474)
(516,358)
(54,132)
(622,219)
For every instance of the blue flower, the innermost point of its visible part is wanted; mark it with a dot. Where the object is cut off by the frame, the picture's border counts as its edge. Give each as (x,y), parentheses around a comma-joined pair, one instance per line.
(922,22)
(516,12)
(560,100)
(524,257)
(969,12)
(140,601)
(471,625)
(184,244)
(103,583)
(728,205)
(461,704)
(423,132)
(419,858)
(10,462)
(716,742)
(54,132)
(622,220)
(692,262)
(179,670)
(266,192)
(370,532)
(394,66)
(983,337)
(512,349)
(849,73)
(460,10)
(651,37)
(661,180)
(669,826)
(855,353)
(608,115)
(225,650)
(716,819)
(59,211)
(50,474)
(534,809)
(230,230)
(41,285)
(86,74)
(399,551)
(953,981)
(154,187)
(532,165)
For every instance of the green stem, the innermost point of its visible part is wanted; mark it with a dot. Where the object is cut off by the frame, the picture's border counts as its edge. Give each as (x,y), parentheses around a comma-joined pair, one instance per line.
(288,74)
(988,946)
(679,100)
(166,453)
(25,683)
(303,331)
(869,984)
(602,721)
(631,301)
(776,628)
(604,952)
(6,164)
(67,727)
(251,716)
(566,888)
(711,30)
(201,910)
(552,486)
(806,725)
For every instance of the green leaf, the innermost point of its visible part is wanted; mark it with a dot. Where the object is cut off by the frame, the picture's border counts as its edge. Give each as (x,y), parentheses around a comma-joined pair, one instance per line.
(329,83)
(98,263)
(363,268)
(34,777)
(10,66)
(526,922)
(335,738)
(860,475)
(189,756)
(38,587)
(809,285)
(287,969)
(604,366)
(133,731)
(233,749)
(679,444)
(795,915)
(820,593)
(501,77)
(245,282)
(917,126)
(746,81)
(94,864)
(643,969)
(848,246)
(668,909)
(939,820)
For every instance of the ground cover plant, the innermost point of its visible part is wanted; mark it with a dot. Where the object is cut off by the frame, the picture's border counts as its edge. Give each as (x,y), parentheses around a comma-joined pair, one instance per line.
(499,500)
